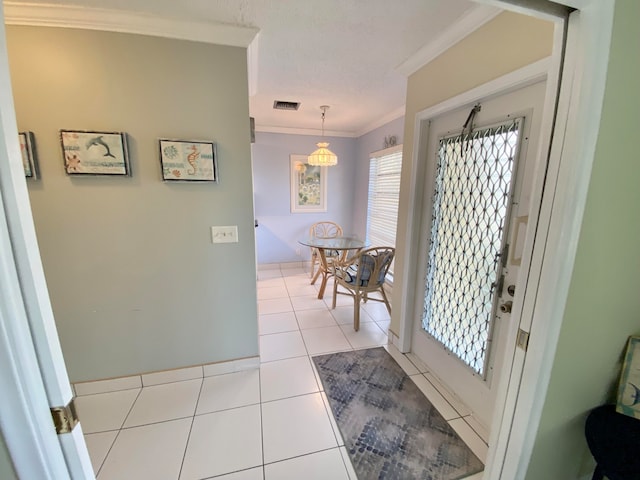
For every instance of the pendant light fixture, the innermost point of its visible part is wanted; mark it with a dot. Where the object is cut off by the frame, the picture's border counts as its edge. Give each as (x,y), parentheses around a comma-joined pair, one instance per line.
(323,156)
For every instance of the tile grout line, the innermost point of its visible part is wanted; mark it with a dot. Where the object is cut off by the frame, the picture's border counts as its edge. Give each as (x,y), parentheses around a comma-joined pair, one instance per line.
(315,377)
(460,416)
(193,419)
(344,462)
(108,452)
(306,349)
(323,395)
(418,369)
(329,414)
(302,455)
(414,364)
(320,390)
(119,431)
(131,409)
(462,404)
(474,430)
(286,358)
(156,423)
(108,391)
(264,473)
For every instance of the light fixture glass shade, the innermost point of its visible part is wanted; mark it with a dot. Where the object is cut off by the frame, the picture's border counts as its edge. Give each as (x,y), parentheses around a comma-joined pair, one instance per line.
(323,156)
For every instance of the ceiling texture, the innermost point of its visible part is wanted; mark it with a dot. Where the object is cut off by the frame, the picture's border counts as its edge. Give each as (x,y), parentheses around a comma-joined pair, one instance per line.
(352,55)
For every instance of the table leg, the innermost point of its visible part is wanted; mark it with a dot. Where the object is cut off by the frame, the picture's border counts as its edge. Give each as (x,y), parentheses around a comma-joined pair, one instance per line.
(325,272)
(315,277)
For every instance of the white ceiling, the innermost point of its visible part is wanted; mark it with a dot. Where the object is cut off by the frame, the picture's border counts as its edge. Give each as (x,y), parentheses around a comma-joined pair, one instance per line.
(341,53)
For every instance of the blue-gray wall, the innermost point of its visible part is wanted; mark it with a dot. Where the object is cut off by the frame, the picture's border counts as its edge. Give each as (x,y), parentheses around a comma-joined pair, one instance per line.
(280,229)
(347,189)
(135,281)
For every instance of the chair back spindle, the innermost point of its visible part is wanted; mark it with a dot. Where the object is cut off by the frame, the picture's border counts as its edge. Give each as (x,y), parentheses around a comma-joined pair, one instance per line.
(322,230)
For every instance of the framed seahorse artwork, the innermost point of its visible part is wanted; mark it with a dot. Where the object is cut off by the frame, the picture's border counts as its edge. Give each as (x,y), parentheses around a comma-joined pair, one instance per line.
(188,160)
(628,401)
(94,153)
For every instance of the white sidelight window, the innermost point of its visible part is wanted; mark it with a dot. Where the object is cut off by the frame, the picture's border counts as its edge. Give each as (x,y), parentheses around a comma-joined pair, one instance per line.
(384,194)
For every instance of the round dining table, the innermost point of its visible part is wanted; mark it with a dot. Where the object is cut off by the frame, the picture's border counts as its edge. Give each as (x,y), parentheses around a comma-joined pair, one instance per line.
(342,245)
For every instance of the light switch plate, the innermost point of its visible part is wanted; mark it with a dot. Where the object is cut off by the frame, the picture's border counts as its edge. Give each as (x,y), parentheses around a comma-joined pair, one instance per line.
(224,234)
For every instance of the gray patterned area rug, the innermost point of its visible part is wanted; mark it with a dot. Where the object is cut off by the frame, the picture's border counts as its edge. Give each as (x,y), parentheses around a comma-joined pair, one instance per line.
(390,429)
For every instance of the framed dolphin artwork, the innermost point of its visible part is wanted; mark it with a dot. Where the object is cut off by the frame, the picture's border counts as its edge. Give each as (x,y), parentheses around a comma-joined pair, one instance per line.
(94,153)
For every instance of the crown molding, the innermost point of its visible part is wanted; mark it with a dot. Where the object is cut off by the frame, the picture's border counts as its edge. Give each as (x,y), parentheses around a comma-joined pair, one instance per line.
(303,131)
(66,16)
(394,115)
(389,117)
(467,24)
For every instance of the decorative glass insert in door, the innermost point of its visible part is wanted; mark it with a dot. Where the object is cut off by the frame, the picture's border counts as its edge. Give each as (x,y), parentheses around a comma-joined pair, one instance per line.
(473,188)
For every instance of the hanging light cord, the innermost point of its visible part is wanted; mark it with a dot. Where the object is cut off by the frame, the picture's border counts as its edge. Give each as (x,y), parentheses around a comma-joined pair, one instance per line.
(324,110)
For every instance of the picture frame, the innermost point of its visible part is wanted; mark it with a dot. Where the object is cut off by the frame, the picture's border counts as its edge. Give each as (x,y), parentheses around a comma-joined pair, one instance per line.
(308,186)
(94,153)
(28,153)
(628,398)
(188,160)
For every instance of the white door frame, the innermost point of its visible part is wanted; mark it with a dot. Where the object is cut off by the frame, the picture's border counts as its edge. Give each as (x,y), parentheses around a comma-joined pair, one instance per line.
(27,427)
(523,390)
(34,449)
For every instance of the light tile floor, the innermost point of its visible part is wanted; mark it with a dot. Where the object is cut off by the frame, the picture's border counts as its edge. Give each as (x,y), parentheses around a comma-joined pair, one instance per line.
(268,424)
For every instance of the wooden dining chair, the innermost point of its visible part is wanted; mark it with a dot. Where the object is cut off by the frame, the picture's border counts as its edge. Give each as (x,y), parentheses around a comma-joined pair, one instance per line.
(322,230)
(363,274)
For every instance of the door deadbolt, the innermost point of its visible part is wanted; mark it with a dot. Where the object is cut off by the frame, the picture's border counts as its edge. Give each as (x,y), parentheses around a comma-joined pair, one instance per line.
(511,290)
(506,307)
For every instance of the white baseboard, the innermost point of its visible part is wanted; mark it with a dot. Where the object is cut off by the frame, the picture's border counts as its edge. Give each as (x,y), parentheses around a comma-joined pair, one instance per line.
(284,266)
(165,376)
(394,339)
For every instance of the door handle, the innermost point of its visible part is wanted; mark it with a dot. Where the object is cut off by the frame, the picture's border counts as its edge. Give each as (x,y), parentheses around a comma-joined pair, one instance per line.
(518,240)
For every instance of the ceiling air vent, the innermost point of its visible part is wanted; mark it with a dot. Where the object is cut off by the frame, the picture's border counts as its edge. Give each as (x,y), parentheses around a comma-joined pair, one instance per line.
(281,105)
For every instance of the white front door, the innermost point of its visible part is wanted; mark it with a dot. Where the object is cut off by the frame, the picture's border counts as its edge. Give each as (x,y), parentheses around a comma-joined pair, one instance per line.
(477,191)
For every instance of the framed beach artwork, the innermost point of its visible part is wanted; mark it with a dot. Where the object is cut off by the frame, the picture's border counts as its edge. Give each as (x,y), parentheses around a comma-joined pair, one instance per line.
(94,153)
(628,401)
(28,152)
(188,160)
(308,186)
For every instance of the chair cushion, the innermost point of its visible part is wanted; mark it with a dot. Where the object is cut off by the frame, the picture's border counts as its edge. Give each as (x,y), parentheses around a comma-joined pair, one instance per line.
(384,264)
(366,266)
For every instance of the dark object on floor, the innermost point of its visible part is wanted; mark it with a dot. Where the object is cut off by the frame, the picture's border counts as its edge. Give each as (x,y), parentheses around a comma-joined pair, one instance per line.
(390,429)
(613,439)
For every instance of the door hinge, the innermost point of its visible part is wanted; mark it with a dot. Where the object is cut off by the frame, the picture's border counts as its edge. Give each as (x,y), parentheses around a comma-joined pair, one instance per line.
(65,418)
(523,339)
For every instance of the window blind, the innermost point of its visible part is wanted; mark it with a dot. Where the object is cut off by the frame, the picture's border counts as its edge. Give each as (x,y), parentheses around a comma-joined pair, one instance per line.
(384,194)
